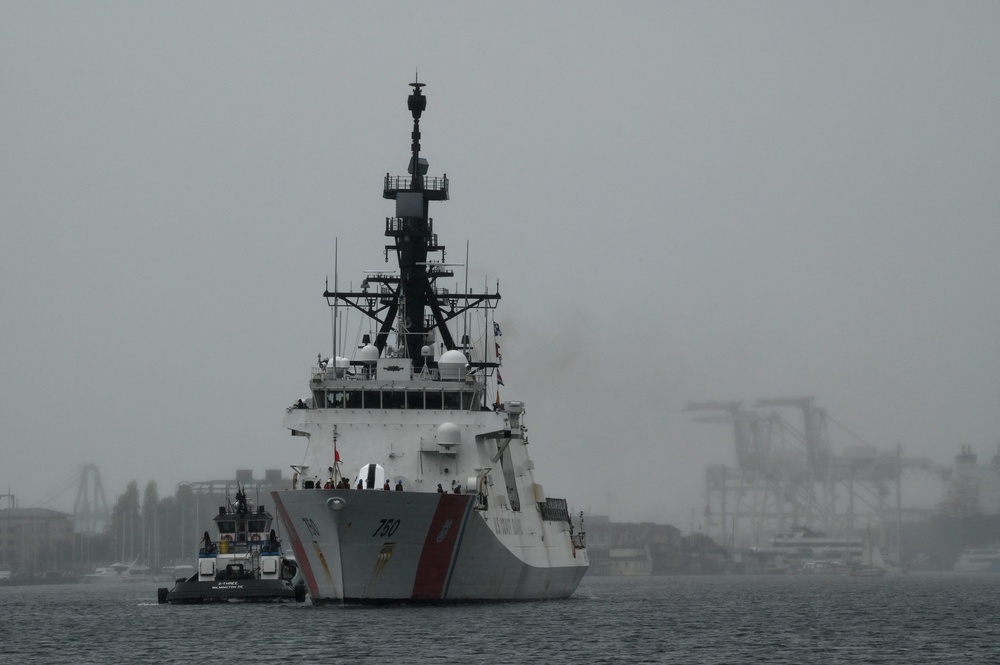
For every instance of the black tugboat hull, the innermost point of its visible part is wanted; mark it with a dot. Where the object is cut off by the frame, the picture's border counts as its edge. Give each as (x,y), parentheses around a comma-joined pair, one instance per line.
(248,591)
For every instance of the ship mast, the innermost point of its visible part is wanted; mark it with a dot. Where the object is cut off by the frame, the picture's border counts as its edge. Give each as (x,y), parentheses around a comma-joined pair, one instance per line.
(410,303)
(413,241)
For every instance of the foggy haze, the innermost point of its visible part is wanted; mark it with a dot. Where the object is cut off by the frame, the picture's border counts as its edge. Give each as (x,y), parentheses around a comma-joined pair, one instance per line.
(682,201)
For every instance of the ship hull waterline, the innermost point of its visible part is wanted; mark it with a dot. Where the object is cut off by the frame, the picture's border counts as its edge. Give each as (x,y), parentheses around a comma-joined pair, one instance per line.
(372,546)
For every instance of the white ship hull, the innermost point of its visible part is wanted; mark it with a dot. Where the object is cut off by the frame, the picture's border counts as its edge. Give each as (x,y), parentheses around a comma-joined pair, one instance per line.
(375,546)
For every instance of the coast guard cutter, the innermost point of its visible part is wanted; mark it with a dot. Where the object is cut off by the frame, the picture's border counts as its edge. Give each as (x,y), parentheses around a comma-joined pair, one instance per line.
(437,497)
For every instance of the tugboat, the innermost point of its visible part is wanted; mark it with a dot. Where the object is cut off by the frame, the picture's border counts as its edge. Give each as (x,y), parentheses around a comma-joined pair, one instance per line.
(417,411)
(245,564)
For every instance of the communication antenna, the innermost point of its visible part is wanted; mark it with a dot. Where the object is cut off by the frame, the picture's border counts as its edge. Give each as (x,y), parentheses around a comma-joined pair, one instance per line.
(465,317)
(336,274)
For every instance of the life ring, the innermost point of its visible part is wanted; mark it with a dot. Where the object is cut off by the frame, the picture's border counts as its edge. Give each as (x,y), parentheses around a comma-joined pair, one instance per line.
(227,538)
(255,538)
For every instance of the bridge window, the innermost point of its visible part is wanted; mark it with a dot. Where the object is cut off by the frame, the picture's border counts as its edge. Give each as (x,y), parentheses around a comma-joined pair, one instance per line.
(393,399)
(452,400)
(334,399)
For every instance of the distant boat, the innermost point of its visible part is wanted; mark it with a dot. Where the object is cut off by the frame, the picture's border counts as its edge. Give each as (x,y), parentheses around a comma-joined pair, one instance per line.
(51,577)
(872,564)
(119,572)
(824,567)
(979,560)
(804,544)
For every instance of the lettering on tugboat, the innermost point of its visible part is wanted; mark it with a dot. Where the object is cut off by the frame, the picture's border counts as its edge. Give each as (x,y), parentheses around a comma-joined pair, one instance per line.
(385,528)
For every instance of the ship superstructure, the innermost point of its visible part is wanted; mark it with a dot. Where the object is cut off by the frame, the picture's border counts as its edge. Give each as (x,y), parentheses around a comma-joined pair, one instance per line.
(416,485)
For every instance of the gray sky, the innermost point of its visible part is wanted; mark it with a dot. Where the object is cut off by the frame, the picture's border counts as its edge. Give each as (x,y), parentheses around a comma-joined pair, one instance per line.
(681,200)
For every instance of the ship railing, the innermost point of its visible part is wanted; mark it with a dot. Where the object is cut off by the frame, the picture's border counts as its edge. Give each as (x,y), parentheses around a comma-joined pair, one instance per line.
(397,225)
(236,546)
(394,226)
(403,183)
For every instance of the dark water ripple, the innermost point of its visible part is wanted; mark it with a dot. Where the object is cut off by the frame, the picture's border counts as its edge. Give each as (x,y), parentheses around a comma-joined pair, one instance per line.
(914,619)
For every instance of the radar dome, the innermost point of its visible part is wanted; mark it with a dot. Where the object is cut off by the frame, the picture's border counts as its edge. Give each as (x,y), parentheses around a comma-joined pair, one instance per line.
(368,353)
(452,365)
(449,434)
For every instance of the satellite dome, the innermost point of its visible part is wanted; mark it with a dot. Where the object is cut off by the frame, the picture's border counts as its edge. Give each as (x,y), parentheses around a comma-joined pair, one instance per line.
(452,365)
(368,353)
(449,434)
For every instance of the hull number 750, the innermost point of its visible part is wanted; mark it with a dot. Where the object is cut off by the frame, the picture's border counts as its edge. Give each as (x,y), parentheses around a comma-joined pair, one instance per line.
(385,528)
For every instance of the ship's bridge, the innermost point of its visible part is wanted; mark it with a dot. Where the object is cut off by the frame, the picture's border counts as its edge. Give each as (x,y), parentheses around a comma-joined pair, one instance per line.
(390,383)
(395,396)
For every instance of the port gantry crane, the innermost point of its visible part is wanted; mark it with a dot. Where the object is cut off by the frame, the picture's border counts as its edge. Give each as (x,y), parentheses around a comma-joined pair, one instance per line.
(786,476)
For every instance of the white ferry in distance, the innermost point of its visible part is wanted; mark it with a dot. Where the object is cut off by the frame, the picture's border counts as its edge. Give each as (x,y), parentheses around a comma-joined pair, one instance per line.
(417,483)
(804,543)
(979,560)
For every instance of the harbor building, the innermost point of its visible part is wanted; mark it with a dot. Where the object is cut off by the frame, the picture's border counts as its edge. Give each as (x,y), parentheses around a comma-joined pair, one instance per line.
(35,540)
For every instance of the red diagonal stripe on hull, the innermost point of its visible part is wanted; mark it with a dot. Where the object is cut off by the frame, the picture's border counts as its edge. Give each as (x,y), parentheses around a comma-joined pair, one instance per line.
(439,547)
(300,552)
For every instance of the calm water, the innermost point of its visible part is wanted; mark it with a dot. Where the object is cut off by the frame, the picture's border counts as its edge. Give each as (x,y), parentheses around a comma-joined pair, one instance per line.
(920,618)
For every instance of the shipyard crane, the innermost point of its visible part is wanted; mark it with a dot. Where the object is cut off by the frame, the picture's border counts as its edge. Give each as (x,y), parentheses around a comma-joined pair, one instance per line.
(802,480)
(814,420)
(762,493)
(786,476)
